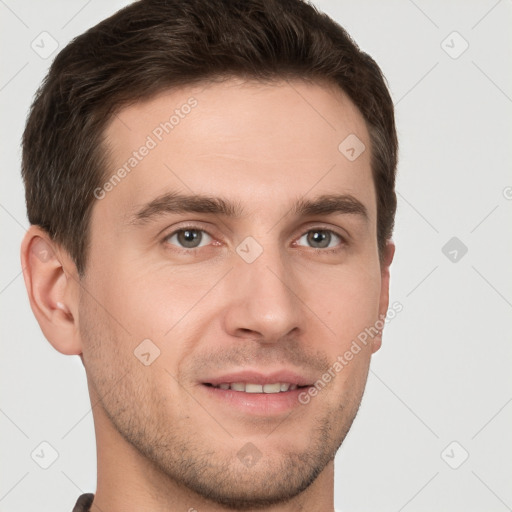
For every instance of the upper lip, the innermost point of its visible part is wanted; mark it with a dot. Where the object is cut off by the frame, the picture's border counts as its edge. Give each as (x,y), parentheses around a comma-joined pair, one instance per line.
(258,377)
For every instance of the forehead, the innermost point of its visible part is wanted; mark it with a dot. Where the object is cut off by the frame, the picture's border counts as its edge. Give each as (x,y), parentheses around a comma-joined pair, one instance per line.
(256,143)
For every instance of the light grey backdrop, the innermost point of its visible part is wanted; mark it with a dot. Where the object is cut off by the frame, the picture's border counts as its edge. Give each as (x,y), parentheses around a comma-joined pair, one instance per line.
(433,432)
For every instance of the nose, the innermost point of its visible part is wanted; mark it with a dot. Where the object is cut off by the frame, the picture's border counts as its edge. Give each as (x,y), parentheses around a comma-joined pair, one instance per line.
(265,303)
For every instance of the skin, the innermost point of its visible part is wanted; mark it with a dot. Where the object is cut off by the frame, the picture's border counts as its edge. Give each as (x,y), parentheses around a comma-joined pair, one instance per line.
(162,442)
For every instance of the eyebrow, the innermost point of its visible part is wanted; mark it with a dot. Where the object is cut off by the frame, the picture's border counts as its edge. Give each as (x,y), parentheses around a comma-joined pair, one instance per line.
(173,202)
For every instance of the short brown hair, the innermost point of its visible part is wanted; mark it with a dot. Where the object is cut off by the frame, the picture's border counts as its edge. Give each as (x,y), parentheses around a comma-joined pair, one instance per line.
(153,45)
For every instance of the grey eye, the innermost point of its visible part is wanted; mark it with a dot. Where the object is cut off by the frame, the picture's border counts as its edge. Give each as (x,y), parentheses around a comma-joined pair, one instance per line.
(189,238)
(320,238)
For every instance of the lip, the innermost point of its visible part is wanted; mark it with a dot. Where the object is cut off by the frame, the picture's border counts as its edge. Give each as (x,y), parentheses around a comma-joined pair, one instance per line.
(257,404)
(260,404)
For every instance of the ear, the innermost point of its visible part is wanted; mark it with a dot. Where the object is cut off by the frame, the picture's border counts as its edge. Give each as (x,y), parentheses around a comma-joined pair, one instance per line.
(53,286)
(387,259)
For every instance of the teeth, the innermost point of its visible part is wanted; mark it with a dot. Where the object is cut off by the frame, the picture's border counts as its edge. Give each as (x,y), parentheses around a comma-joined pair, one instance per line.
(248,387)
(253,388)
(272,388)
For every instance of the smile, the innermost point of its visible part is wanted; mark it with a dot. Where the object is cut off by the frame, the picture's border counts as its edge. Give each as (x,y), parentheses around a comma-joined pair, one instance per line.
(248,387)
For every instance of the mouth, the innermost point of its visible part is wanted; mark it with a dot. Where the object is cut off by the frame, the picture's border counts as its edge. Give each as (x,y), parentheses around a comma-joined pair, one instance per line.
(252,387)
(255,393)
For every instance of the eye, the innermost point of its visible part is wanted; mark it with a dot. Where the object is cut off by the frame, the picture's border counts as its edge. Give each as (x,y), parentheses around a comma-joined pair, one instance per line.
(321,238)
(189,238)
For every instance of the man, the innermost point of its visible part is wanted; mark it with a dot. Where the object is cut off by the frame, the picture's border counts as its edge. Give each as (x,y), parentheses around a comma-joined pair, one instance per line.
(210,187)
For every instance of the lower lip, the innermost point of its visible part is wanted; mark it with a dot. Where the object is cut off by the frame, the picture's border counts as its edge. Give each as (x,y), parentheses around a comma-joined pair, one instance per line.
(263,404)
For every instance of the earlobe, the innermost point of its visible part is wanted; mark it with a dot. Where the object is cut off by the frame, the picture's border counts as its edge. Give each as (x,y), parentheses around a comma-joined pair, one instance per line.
(52,290)
(389,253)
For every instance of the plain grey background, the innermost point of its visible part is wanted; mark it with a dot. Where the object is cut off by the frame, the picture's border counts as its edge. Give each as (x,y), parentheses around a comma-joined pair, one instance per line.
(433,431)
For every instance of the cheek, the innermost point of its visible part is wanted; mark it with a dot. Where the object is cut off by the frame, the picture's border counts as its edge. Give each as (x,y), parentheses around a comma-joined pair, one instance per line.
(144,304)
(159,305)
(111,361)
(348,301)
(164,308)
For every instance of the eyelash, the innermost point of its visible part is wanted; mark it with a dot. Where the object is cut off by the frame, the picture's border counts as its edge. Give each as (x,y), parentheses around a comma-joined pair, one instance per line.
(184,250)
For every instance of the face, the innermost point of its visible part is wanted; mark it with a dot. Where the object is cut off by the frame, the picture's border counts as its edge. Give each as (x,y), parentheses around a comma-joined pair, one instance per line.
(199,308)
